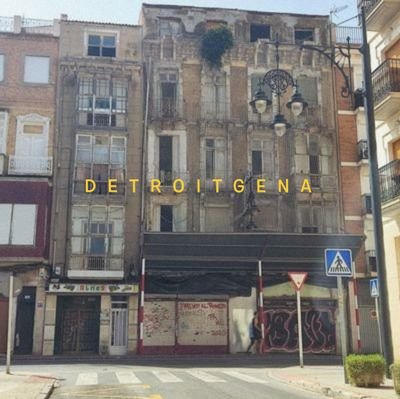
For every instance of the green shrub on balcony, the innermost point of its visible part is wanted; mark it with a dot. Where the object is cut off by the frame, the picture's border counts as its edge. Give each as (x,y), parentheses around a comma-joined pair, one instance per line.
(365,370)
(214,44)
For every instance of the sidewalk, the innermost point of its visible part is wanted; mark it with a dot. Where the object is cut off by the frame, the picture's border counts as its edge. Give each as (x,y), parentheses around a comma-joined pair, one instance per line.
(25,386)
(329,381)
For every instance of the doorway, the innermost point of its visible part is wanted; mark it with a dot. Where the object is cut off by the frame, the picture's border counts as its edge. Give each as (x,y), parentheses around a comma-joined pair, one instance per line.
(119,326)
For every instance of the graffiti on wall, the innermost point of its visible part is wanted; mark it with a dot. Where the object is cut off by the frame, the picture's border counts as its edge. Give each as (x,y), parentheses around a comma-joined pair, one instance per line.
(318,329)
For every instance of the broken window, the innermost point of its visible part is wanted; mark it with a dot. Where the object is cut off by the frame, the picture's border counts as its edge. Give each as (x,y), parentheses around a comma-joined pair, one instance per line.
(259,31)
(303,35)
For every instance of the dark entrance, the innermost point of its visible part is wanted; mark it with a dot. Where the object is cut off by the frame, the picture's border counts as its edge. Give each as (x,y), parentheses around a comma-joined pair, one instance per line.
(78,324)
(24,322)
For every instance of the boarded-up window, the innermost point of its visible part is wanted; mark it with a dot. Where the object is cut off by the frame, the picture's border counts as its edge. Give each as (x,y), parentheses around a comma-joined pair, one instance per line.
(37,69)
(19,224)
(309,89)
(218,219)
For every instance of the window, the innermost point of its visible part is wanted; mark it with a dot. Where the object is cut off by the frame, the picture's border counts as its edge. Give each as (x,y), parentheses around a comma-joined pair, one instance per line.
(98,237)
(215,159)
(258,31)
(18,224)
(37,69)
(309,218)
(167,47)
(168,89)
(100,157)
(303,35)
(214,103)
(166,175)
(309,89)
(1,67)
(102,102)
(166,218)
(102,46)
(3,131)
(262,159)
(169,27)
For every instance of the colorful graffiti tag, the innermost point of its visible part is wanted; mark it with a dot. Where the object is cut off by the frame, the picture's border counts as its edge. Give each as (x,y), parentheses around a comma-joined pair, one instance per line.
(281,327)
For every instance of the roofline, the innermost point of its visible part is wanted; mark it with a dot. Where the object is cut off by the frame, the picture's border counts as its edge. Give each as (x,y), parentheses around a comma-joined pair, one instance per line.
(174,6)
(76,21)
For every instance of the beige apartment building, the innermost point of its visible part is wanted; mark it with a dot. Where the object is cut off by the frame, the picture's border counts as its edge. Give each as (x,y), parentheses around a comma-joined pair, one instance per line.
(91,303)
(382,18)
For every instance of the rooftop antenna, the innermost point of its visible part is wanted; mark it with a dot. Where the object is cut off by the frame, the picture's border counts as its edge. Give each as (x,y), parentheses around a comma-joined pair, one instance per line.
(335,10)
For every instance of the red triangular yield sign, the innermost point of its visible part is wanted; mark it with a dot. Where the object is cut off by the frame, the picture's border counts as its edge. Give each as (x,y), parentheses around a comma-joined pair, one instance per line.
(298,279)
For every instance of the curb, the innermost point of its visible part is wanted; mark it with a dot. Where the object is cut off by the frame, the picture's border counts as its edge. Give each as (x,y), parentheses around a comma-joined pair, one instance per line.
(47,390)
(318,388)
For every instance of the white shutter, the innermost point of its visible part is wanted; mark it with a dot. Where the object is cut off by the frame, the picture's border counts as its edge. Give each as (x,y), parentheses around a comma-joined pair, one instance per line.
(23,224)
(220,159)
(5,212)
(3,132)
(37,69)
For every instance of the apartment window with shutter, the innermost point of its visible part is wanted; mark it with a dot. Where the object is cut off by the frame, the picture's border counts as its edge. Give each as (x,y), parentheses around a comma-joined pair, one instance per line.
(262,158)
(168,92)
(18,224)
(100,158)
(309,217)
(259,31)
(37,70)
(215,159)
(165,163)
(3,131)
(214,103)
(210,158)
(102,45)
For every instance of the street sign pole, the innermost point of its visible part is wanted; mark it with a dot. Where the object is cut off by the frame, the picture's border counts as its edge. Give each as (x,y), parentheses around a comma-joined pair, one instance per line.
(343,334)
(379,324)
(10,316)
(300,329)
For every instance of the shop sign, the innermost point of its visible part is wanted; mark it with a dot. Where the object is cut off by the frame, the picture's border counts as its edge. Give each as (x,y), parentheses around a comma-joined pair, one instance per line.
(94,288)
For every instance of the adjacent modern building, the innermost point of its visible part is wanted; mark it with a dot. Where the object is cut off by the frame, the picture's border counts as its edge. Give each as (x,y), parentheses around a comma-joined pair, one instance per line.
(28,81)
(91,303)
(382,19)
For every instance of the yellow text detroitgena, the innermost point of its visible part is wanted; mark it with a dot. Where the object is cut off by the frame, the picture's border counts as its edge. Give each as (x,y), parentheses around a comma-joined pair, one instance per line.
(179,186)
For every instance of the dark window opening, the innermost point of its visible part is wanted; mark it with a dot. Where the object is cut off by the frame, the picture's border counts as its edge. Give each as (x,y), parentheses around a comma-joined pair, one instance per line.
(210,159)
(256,162)
(165,160)
(303,35)
(101,120)
(101,46)
(258,31)
(314,164)
(309,229)
(168,99)
(166,222)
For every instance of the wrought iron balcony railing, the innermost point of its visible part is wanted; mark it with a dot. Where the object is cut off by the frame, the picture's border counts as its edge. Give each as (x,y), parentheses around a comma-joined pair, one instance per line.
(386,79)
(389,179)
(362,149)
(19,165)
(166,108)
(368,4)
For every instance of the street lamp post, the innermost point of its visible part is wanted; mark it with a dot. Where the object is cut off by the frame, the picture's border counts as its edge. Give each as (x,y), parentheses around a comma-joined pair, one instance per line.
(279,81)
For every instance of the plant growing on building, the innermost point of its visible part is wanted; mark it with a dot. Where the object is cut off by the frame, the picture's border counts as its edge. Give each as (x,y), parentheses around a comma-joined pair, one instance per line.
(365,370)
(214,44)
(395,370)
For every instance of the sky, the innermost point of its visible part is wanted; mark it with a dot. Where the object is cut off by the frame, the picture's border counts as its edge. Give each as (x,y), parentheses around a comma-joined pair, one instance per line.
(127,11)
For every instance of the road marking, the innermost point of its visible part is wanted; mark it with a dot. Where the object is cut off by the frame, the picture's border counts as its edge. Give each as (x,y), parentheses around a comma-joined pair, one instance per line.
(244,377)
(87,379)
(166,376)
(201,375)
(127,377)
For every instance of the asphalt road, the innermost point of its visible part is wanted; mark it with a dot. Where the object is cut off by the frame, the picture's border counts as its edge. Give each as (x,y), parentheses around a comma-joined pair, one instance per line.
(114,381)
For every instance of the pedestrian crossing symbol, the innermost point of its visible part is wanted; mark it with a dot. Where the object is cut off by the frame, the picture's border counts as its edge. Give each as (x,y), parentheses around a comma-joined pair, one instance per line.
(373,286)
(338,262)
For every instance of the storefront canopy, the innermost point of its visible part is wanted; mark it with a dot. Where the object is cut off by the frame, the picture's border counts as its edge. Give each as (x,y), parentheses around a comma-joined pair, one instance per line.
(240,252)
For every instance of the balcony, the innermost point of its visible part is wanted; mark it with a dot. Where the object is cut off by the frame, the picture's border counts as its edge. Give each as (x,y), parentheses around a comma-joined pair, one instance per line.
(389,180)
(38,166)
(386,88)
(379,12)
(166,108)
(214,110)
(362,150)
(95,267)
(354,33)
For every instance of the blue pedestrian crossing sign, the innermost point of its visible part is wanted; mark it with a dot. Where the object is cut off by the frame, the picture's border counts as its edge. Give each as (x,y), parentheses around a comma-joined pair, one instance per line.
(338,263)
(374,287)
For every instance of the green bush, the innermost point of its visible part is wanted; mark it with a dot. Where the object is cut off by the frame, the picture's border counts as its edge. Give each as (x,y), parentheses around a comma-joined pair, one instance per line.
(395,370)
(214,44)
(365,370)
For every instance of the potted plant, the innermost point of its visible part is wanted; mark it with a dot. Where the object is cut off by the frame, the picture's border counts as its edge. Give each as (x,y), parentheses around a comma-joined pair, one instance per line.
(395,371)
(365,370)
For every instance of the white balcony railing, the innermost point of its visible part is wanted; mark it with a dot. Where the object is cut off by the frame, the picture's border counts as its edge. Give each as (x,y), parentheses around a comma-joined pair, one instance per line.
(19,165)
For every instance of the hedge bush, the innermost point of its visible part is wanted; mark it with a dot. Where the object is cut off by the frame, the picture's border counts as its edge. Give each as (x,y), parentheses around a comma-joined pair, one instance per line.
(395,370)
(365,370)
(214,44)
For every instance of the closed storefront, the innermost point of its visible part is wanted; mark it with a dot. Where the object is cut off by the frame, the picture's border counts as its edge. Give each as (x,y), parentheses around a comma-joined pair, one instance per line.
(185,326)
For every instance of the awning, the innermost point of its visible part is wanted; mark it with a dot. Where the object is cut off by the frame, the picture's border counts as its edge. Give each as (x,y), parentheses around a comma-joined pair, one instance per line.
(240,252)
